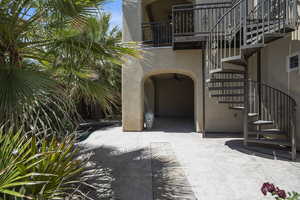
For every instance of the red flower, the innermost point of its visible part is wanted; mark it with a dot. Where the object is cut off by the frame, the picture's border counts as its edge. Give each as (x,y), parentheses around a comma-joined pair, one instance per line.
(270,188)
(264,188)
(280,193)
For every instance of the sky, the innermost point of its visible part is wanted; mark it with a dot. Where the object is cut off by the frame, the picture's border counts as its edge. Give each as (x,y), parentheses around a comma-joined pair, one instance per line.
(115,8)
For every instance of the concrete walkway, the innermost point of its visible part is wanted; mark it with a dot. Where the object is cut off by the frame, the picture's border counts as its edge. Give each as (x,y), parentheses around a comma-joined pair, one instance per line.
(184,166)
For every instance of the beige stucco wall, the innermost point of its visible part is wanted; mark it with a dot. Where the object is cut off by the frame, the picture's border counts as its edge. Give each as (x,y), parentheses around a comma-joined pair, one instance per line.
(164,60)
(157,61)
(274,71)
(161,10)
(149,95)
(132,20)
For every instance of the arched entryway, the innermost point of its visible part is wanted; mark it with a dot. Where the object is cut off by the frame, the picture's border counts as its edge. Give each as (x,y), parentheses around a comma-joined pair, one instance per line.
(171,99)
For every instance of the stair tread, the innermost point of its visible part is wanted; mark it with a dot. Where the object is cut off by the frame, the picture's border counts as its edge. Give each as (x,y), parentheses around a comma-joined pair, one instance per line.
(227,95)
(262,122)
(260,24)
(226,71)
(267,131)
(270,141)
(251,46)
(214,80)
(269,37)
(237,107)
(231,102)
(236,60)
(252,114)
(227,88)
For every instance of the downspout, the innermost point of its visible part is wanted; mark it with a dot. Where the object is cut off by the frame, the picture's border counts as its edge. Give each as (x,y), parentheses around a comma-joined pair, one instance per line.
(203,94)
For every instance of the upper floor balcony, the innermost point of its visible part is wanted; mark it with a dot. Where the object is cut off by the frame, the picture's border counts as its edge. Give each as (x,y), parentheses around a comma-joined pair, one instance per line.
(180,23)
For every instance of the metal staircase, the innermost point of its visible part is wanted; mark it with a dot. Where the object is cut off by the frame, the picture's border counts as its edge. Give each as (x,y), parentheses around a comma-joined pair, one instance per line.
(269,114)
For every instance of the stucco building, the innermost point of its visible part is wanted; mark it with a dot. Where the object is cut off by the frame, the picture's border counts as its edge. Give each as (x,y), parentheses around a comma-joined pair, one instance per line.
(221,66)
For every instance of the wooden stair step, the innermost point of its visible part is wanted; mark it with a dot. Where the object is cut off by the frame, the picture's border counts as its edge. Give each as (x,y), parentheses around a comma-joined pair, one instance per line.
(226,88)
(262,122)
(235,60)
(231,102)
(269,141)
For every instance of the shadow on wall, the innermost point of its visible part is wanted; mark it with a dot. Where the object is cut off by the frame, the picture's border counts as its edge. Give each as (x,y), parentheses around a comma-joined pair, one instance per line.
(271,152)
(138,174)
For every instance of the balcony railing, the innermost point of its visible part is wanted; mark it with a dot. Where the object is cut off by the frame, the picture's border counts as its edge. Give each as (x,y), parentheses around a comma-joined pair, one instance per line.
(157,34)
(187,20)
(193,19)
(240,27)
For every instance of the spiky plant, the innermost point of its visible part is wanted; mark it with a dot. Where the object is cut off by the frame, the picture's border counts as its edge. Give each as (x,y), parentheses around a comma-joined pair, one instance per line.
(32,168)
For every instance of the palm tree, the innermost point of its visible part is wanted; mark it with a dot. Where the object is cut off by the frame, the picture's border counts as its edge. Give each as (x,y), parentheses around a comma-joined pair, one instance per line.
(54,53)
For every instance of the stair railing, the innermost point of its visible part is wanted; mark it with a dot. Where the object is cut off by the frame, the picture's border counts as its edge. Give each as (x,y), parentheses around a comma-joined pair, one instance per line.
(270,16)
(241,27)
(273,105)
(225,37)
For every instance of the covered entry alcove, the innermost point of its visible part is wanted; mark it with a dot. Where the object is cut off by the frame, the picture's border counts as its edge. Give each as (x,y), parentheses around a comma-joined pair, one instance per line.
(170,97)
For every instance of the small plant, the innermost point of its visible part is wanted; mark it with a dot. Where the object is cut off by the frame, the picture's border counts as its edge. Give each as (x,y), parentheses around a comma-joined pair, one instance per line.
(278,193)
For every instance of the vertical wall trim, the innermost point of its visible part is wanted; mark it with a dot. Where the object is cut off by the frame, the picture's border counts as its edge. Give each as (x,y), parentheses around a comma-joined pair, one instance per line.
(203,93)
(258,74)
(259,66)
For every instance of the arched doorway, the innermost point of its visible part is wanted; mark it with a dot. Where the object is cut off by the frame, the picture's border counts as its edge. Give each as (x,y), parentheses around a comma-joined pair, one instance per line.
(170,97)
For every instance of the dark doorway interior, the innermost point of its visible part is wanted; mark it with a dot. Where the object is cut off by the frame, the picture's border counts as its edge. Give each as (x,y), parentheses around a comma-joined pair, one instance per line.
(173,104)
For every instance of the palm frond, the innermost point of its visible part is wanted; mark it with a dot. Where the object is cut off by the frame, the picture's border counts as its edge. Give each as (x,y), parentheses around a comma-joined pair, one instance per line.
(33,99)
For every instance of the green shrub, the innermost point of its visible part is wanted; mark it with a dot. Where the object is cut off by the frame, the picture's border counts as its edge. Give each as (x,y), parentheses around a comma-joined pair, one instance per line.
(32,168)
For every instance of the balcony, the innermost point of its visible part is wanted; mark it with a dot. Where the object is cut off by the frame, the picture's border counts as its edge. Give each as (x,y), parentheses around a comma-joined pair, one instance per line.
(188,27)
(157,34)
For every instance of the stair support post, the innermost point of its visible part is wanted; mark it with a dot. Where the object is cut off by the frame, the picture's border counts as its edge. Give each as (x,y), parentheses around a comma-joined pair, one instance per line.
(293,137)
(246,106)
(244,14)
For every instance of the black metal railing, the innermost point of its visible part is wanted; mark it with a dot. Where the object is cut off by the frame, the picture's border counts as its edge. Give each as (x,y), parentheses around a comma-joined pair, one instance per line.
(240,26)
(274,105)
(157,34)
(193,19)
(270,16)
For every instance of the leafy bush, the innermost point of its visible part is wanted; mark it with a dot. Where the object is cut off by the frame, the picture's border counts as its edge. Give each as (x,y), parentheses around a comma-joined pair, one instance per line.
(32,168)
(54,54)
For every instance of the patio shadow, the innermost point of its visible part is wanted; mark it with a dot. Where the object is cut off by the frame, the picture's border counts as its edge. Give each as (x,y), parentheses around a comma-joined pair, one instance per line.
(264,151)
(139,174)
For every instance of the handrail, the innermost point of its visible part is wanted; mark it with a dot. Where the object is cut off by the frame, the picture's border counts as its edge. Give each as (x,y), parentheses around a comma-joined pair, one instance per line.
(229,11)
(278,90)
(175,7)
(274,105)
(241,27)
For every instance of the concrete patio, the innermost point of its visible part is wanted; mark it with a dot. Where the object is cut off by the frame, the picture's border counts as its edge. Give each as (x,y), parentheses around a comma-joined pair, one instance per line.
(184,166)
